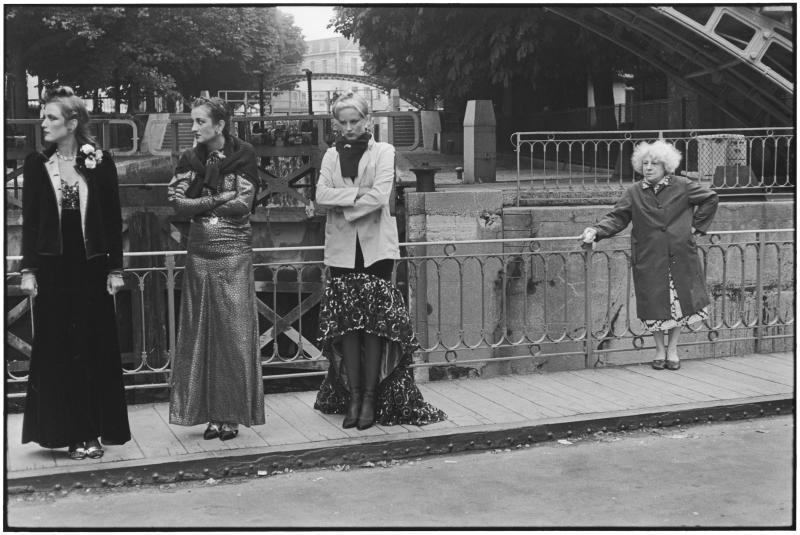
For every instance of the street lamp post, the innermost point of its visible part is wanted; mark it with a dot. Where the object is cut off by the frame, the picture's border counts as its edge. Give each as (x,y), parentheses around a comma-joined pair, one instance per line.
(308,81)
(260,75)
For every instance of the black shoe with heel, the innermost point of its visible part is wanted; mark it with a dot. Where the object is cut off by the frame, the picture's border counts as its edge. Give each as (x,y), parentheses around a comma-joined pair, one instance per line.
(366,417)
(94,450)
(228,431)
(353,409)
(77,451)
(212,431)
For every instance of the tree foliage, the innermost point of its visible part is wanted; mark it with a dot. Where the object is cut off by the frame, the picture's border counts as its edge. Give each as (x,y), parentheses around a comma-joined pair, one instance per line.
(153,49)
(465,52)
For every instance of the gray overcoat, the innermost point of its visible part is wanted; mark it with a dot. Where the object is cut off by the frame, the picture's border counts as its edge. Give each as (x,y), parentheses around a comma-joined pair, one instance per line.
(662,241)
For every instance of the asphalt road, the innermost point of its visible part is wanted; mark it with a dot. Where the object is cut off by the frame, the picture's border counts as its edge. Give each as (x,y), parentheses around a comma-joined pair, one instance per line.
(735,474)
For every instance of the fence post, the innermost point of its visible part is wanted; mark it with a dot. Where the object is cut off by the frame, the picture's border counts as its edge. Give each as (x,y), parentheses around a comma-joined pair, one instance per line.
(176,147)
(515,136)
(588,249)
(760,308)
(171,327)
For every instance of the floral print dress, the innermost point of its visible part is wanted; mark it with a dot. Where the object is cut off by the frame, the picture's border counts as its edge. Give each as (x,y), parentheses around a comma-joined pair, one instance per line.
(362,301)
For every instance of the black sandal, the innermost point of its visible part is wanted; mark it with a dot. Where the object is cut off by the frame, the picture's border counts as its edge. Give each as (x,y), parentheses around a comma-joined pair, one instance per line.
(672,364)
(658,364)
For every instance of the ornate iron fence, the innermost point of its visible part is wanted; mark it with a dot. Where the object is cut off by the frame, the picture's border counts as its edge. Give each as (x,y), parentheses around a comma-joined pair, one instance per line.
(473,304)
(742,161)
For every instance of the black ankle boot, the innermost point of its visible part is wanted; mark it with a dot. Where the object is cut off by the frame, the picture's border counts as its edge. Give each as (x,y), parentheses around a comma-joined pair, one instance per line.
(353,409)
(367,415)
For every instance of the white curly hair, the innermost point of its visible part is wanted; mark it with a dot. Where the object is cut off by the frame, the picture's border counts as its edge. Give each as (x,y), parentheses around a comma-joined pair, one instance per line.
(659,151)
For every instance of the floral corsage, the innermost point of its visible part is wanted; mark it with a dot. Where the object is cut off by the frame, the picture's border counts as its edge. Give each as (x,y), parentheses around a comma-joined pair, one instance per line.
(89,157)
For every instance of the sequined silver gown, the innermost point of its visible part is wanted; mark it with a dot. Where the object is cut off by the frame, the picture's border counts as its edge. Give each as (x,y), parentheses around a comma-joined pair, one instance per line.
(216,372)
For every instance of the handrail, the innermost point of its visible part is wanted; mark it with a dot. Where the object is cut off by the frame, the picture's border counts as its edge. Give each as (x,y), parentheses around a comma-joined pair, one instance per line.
(101,122)
(477,307)
(651,130)
(132,254)
(134,137)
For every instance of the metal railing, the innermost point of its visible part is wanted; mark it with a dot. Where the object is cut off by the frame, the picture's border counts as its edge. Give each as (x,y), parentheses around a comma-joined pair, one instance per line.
(749,160)
(25,135)
(403,130)
(472,303)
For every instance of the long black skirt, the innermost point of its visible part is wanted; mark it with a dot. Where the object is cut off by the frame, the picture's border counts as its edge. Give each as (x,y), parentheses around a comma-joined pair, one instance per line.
(75,387)
(362,301)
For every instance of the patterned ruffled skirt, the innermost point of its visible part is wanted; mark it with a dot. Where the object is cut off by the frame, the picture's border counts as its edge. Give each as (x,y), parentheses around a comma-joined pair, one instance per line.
(360,301)
(676,319)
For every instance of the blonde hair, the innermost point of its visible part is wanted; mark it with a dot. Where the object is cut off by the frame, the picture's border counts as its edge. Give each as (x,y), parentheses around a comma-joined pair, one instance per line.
(659,151)
(350,100)
(72,107)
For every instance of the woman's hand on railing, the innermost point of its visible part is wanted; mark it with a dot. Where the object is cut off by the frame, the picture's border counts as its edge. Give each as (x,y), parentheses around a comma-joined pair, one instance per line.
(28,285)
(588,235)
(114,283)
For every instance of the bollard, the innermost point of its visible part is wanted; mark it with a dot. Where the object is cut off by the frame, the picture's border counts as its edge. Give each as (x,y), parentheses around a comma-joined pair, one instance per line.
(425,177)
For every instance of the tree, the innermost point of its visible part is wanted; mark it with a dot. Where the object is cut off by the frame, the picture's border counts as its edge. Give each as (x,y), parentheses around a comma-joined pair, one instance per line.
(524,58)
(133,51)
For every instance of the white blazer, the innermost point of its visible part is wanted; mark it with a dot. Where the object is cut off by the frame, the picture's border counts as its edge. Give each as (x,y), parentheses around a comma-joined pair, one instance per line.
(367,218)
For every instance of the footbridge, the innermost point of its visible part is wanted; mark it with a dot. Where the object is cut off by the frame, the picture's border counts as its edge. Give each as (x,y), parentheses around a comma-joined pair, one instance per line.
(739,58)
(287,76)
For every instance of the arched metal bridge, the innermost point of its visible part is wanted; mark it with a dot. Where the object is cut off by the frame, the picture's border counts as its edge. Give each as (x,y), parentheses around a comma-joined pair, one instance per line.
(383,84)
(738,58)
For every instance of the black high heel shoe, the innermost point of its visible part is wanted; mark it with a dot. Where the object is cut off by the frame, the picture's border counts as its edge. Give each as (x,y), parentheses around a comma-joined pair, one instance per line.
(366,417)
(94,450)
(228,431)
(353,409)
(77,451)
(212,431)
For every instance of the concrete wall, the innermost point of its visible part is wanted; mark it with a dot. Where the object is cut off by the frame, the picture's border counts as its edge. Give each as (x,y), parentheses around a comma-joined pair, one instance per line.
(448,295)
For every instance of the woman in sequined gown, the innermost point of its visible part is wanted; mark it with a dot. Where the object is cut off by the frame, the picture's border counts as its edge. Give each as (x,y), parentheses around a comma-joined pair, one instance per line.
(216,373)
(72,266)
(365,329)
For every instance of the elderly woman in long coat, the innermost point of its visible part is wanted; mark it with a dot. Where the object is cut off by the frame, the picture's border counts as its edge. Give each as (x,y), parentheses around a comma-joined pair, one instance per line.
(668,212)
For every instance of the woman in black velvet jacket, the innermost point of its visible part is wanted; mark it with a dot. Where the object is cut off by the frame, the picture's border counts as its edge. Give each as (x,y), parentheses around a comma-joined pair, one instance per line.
(72,265)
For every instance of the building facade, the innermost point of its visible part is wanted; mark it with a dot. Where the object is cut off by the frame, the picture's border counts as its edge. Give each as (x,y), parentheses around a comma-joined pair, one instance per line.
(334,55)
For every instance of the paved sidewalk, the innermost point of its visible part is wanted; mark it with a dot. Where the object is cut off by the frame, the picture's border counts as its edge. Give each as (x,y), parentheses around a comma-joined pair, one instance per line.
(483,413)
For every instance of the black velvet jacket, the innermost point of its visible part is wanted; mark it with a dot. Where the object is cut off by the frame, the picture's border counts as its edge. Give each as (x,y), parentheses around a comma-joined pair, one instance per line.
(41,223)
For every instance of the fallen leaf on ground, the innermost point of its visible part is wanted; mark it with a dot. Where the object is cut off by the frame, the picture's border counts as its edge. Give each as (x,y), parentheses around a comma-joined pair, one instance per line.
(564,442)
(451,462)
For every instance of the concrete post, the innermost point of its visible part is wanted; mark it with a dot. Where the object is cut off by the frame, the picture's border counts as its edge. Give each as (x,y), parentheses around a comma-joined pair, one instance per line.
(431,127)
(480,142)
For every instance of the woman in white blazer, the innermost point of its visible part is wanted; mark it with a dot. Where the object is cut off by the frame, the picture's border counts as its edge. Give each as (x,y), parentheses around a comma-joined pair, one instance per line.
(365,329)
